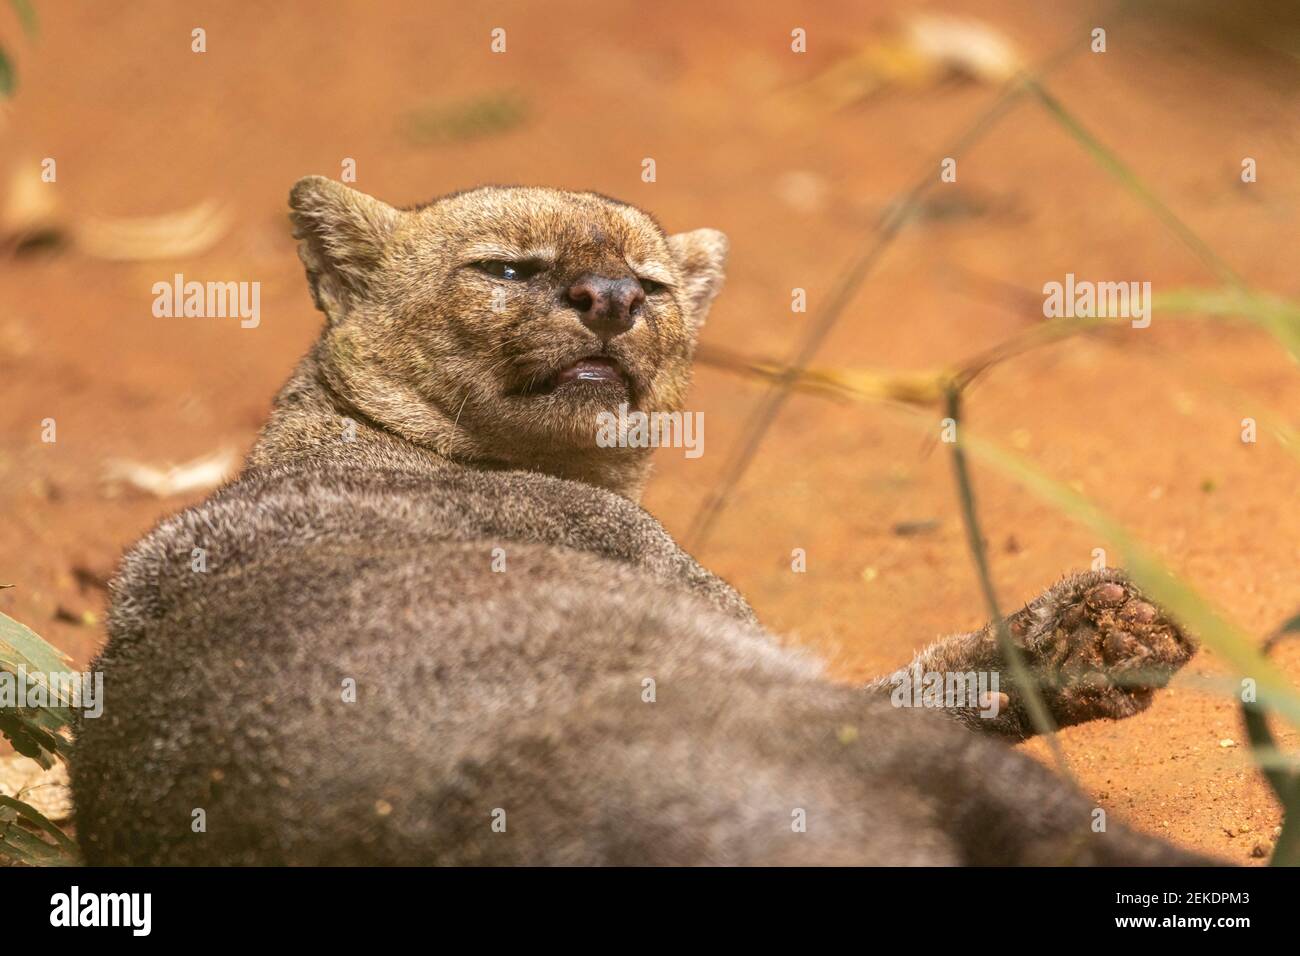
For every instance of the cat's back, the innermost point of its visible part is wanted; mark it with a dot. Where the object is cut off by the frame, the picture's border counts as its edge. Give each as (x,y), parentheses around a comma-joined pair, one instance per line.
(359,639)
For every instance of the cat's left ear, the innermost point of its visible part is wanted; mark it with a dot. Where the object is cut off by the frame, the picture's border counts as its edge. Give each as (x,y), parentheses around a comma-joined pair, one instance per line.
(701,258)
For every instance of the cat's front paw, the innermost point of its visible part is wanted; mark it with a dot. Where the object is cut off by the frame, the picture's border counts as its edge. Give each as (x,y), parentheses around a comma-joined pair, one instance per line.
(1098,648)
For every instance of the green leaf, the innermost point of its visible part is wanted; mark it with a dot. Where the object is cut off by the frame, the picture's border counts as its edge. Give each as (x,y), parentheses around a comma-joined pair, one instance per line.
(21,646)
(19,845)
(26,16)
(485,115)
(41,822)
(8,82)
(32,741)
(34,732)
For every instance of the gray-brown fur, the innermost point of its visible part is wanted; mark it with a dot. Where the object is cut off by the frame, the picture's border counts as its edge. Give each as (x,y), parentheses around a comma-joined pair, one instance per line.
(524,689)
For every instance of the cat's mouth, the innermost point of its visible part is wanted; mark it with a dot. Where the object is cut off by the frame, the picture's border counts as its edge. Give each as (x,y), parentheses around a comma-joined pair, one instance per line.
(595,368)
(592,371)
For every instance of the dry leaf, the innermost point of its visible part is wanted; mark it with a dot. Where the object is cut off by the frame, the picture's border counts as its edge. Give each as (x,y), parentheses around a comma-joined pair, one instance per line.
(929,49)
(197,475)
(962,46)
(188,232)
(29,214)
(46,790)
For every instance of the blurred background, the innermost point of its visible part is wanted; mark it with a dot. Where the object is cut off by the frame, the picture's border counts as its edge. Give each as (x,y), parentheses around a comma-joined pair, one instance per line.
(173,161)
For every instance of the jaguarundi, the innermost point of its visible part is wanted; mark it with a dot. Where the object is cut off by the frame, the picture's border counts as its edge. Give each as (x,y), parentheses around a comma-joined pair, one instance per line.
(429,622)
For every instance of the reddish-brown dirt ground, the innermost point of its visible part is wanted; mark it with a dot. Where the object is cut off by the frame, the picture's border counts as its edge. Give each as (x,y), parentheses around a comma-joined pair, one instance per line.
(1146,422)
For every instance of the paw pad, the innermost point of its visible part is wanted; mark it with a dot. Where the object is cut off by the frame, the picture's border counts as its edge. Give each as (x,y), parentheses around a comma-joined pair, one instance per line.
(1109,594)
(1101,648)
(1138,612)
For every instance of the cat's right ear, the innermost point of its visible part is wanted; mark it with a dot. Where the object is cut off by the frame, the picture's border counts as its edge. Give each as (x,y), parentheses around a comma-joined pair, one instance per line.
(342,234)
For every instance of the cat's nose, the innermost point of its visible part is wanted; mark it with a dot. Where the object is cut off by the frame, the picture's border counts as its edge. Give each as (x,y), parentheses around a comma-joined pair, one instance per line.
(608,307)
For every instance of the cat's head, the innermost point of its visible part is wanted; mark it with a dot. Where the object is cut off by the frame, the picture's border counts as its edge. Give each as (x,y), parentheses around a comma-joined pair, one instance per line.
(517,314)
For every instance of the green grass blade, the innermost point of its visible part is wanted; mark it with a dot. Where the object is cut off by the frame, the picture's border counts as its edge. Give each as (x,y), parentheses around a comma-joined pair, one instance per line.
(1109,160)
(1035,706)
(1277,315)
(1184,603)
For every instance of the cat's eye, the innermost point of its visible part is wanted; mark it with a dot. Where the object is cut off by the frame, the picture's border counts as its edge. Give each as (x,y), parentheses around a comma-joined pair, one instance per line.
(516,271)
(651,287)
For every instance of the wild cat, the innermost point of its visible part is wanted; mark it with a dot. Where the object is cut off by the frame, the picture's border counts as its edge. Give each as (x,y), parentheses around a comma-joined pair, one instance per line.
(430,624)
